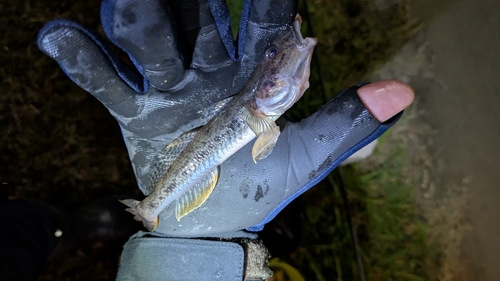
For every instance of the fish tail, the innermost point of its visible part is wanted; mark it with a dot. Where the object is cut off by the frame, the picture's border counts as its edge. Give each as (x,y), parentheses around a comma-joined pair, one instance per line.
(132,208)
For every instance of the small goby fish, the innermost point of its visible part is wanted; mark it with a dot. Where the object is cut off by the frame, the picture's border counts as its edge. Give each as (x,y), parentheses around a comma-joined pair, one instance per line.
(192,160)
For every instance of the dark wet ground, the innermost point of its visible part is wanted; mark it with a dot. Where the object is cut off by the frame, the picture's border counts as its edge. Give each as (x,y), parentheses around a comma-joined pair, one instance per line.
(453,65)
(462,105)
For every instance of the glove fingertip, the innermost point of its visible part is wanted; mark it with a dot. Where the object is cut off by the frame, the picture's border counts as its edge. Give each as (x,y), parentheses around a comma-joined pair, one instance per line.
(56,35)
(49,37)
(43,39)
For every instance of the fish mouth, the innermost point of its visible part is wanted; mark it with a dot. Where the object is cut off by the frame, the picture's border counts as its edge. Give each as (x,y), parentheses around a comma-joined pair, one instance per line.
(305,46)
(297,22)
(301,42)
(295,77)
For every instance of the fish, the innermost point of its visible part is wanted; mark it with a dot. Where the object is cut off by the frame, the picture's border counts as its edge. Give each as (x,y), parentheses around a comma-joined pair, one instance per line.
(191,162)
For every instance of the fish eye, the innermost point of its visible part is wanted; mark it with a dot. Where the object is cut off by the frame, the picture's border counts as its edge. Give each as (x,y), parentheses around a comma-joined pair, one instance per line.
(271,51)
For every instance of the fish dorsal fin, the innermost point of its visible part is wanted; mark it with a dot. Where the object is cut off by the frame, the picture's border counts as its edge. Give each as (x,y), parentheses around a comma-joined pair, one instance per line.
(197,194)
(266,130)
(165,157)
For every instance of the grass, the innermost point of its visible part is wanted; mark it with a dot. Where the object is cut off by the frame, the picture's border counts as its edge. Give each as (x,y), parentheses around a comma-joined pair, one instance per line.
(60,146)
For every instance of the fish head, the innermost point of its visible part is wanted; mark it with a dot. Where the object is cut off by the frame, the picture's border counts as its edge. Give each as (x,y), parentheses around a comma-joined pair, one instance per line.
(285,71)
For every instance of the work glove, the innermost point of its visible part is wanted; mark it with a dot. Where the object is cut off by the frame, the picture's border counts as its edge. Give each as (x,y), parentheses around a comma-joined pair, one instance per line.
(186,65)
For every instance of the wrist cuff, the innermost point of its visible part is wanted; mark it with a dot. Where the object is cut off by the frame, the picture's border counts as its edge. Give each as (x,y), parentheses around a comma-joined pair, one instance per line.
(146,257)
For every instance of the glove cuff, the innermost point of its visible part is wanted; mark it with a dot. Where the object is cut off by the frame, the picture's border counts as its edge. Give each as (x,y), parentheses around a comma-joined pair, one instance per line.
(149,257)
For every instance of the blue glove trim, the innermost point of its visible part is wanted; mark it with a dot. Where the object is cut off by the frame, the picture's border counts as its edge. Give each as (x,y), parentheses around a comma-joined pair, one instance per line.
(222,19)
(120,67)
(374,135)
(107,14)
(242,31)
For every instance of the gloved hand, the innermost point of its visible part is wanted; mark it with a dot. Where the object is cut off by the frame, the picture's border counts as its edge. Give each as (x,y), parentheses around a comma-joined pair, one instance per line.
(186,63)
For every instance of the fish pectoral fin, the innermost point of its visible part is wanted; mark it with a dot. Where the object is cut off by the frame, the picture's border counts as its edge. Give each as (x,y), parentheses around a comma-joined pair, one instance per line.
(266,130)
(258,123)
(196,195)
(264,144)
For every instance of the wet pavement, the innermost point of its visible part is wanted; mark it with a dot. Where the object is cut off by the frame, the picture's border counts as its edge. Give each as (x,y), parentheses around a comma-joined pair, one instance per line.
(454,67)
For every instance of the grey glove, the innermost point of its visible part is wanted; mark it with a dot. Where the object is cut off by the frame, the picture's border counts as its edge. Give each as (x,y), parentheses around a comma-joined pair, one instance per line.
(186,62)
